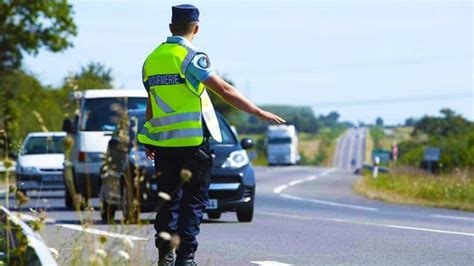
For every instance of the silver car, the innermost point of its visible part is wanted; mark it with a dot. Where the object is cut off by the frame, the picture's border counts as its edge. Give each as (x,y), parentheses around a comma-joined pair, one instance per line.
(40,162)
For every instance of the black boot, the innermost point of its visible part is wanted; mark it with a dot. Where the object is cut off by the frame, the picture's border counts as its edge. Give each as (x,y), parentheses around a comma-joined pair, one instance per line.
(186,260)
(166,258)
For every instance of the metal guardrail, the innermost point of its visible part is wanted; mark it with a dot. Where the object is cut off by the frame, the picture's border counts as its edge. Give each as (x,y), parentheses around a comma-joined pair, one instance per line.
(34,240)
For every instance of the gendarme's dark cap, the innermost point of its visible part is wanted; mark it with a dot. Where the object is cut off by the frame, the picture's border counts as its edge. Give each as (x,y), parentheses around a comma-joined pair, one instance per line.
(184,13)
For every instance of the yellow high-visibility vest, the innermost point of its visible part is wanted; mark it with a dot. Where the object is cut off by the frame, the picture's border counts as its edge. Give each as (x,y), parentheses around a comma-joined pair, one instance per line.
(178,108)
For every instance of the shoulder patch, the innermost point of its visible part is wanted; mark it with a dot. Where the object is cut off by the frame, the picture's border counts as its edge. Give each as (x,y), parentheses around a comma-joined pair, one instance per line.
(203,61)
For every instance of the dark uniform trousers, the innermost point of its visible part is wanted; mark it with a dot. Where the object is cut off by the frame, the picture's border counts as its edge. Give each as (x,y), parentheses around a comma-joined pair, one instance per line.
(182,215)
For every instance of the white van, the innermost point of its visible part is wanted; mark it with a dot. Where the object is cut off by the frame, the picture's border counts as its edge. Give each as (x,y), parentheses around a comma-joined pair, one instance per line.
(282,145)
(92,129)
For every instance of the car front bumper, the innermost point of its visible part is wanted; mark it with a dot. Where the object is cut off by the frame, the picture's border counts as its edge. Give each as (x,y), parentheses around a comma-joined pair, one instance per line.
(234,189)
(40,181)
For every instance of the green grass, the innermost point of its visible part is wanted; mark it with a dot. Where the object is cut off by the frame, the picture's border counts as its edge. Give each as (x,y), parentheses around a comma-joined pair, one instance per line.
(411,186)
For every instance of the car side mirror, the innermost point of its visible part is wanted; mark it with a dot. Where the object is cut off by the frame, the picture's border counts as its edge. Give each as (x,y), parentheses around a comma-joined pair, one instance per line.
(247,143)
(68,126)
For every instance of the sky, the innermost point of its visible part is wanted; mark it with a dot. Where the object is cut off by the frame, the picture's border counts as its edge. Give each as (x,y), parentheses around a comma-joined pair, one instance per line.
(364,59)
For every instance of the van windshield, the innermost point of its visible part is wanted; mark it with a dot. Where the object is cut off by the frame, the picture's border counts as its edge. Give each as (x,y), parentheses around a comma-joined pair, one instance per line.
(279,140)
(102,114)
(43,145)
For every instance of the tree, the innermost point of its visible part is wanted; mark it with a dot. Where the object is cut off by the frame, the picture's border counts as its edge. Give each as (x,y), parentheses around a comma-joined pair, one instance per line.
(27,26)
(92,76)
(26,107)
(329,120)
(448,124)
(379,122)
(409,122)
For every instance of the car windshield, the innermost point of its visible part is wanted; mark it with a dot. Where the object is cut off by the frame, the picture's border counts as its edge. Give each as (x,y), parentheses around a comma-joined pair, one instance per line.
(43,145)
(226,132)
(286,140)
(102,114)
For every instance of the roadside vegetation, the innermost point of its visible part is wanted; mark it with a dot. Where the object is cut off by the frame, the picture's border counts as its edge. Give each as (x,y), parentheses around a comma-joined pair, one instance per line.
(414,186)
(447,183)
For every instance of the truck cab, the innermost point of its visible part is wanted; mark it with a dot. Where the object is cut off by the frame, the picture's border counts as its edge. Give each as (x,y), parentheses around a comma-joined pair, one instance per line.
(282,145)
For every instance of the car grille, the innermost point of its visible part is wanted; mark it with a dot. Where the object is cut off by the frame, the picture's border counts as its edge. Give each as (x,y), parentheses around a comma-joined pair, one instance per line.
(225,179)
(224,194)
(51,170)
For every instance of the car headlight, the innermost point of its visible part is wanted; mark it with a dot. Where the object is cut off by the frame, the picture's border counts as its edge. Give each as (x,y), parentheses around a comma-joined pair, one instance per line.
(139,157)
(236,159)
(29,170)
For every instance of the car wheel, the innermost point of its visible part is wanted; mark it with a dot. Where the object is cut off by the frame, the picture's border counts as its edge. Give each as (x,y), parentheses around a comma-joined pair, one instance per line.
(129,212)
(107,212)
(214,215)
(245,215)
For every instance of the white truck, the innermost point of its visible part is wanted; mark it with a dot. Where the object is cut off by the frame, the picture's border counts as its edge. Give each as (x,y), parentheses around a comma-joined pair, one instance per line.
(282,145)
(92,129)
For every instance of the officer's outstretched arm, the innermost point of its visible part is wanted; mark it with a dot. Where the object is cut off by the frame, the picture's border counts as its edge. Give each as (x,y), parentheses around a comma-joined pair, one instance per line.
(229,94)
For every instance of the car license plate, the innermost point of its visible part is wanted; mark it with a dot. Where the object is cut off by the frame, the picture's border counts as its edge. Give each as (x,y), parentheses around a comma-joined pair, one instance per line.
(52,178)
(211,204)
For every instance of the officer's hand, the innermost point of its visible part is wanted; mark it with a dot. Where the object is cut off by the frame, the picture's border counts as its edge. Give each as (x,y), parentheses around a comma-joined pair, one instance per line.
(150,153)
(270,117)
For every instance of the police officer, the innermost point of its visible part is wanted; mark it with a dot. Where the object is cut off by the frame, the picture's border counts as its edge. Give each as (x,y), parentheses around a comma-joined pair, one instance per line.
(180,122)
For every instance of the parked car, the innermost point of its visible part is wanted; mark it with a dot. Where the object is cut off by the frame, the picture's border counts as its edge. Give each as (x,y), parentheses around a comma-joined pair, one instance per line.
(40,162)
(92,129)
(232,186)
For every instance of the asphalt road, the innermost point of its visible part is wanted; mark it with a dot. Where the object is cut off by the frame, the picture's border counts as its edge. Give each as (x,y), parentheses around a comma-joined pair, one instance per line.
(350,151)
(304,216)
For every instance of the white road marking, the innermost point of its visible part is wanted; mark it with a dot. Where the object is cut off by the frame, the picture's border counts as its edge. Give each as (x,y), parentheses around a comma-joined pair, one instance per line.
(270,263)
(296,182)
(392,226)
(330,203)
(286,215)
(101,232)
(453,217)
(430,230)
(281,188)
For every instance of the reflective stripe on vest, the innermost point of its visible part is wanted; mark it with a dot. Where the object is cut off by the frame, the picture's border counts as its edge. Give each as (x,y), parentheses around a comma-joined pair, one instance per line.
(166,108)
(173,134)
(177,118)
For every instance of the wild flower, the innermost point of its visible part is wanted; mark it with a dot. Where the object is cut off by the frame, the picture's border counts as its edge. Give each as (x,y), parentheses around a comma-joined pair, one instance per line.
(123,255)
(186,175)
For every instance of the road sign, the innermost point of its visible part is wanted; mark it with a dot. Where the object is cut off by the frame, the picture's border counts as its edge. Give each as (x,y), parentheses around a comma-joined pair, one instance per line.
(395,152)
(384,156)
(432,154)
